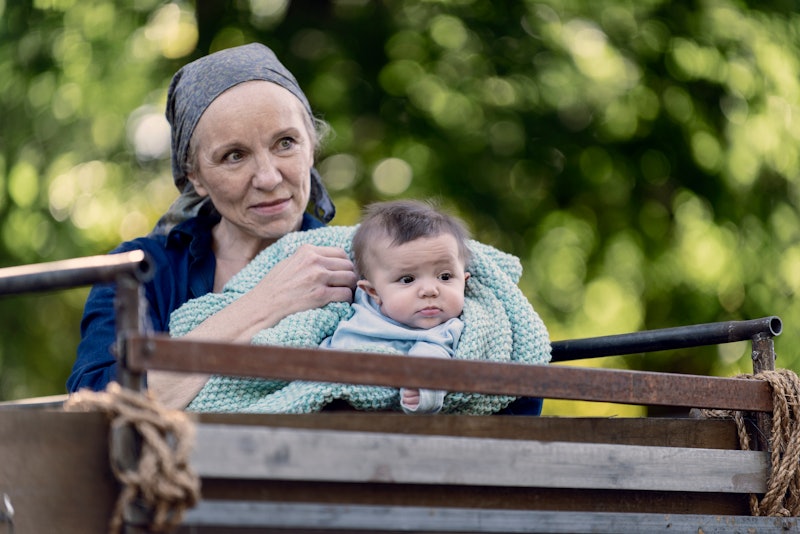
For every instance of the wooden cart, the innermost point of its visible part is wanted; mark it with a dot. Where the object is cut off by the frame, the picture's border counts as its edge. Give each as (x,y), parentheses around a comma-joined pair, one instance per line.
(347,471)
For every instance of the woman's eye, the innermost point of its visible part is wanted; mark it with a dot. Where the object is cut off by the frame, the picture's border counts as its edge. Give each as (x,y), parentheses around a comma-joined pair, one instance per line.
(286,143)
(233,156)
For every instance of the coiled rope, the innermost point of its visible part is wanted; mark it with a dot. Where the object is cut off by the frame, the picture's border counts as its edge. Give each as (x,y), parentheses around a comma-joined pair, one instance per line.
(782,497)
(162,479)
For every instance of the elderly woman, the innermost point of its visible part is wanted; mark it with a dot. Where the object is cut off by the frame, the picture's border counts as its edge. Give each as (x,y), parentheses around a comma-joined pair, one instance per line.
(243,145)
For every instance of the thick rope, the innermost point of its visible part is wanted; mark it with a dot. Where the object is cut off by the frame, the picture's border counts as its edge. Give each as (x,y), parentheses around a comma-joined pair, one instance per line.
(782,497)
(161,479)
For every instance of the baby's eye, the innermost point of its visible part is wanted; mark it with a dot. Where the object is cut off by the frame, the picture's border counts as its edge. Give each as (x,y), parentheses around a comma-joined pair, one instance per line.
(406,279)
(445,277)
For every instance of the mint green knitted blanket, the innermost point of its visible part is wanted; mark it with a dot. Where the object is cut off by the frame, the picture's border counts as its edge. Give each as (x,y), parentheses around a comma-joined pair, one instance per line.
(499,325)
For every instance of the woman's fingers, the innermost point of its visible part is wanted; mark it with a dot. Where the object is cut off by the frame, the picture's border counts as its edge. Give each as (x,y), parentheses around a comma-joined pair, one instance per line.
(342,278)
(311,277)
(340,294)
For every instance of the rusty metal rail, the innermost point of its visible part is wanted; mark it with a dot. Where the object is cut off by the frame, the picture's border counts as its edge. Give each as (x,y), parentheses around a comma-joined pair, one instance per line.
(666,339)
(549,381)
(74,272)
(127,269)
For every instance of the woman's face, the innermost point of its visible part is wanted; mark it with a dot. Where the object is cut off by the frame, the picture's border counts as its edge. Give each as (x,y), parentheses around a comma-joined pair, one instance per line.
(253,153)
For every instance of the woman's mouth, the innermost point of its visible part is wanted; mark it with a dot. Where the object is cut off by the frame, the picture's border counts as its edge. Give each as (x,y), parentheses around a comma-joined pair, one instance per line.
(272,207)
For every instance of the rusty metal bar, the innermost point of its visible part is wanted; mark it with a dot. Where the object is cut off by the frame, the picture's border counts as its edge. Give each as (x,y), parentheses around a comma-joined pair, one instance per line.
(125,440)
(666,339)
(127,269)
(763,354)
(548,381)
(130,308)
(74,272)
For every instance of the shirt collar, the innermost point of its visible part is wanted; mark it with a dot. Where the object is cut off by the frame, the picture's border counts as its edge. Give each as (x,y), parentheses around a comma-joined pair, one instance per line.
(196,232)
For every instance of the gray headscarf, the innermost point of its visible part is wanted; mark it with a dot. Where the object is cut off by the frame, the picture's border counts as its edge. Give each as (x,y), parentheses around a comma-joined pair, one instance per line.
(193,88)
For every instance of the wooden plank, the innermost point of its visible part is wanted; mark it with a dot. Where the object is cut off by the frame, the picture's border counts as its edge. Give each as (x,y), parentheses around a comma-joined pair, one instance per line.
(499,497)
(54,468)
(69,489)
(349,518)
(326,455)
(549,381)
(681,432)
(35,403)
(664,432)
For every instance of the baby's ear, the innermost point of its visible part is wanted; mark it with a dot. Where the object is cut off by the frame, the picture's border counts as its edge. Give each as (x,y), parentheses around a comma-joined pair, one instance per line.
(466,276)
(367,287)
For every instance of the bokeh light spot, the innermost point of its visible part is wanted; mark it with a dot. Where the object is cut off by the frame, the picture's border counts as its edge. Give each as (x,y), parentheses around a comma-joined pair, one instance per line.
(339,171)
(448,32)
(23,184)
(392,176)
(174,29)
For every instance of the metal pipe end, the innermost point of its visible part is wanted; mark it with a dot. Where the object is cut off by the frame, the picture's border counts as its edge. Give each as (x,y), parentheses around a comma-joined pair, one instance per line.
(145,269)
(775,325)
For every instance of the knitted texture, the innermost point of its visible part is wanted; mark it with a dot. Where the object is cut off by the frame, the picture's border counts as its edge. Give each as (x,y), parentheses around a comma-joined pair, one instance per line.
(499,325)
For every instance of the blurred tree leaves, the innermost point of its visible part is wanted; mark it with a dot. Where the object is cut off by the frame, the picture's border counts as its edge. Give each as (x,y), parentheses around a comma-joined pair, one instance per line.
(640,157)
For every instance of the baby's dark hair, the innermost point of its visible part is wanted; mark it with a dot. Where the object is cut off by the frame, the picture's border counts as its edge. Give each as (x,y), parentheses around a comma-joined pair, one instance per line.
(403,221)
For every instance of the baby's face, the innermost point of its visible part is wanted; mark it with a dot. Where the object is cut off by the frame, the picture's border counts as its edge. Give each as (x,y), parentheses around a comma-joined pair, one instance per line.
(420,283)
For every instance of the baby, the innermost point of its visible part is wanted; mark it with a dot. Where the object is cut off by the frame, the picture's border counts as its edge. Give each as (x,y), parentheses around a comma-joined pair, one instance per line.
(411,259)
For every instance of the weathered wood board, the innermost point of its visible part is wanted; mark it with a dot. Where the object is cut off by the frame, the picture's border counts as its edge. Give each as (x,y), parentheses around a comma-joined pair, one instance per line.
(248,452)
(316,518)
(54,467)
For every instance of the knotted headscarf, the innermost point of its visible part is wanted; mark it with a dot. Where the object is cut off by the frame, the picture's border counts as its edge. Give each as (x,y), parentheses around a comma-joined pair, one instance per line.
(193,88)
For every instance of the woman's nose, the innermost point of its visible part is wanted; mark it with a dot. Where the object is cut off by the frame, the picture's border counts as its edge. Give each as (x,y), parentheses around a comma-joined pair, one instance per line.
(266,174)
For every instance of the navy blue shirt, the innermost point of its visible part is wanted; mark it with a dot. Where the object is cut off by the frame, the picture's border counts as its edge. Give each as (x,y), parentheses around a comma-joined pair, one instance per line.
(184,269)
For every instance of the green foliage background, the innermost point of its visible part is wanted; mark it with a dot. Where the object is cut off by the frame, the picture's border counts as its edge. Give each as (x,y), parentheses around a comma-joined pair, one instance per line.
(641,157)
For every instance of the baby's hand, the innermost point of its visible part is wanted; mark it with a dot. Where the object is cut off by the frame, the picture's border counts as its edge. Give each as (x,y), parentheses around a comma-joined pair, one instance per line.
(410,398)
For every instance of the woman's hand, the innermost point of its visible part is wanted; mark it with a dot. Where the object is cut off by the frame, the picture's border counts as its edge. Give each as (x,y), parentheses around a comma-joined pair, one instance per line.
(310,278)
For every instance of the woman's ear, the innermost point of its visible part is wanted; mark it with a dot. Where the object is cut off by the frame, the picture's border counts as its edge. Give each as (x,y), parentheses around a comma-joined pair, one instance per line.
(370,290)
(197,184)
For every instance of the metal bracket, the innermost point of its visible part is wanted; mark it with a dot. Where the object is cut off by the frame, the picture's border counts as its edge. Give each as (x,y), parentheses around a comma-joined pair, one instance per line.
(7,514)
(131,313)
(763,360)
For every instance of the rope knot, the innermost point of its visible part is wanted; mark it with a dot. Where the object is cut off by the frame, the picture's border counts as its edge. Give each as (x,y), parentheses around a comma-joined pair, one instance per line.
(783,484)
(155,472)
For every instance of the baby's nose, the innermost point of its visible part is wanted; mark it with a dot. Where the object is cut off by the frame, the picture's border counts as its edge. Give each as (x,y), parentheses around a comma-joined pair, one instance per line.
(430,289)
